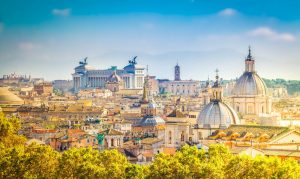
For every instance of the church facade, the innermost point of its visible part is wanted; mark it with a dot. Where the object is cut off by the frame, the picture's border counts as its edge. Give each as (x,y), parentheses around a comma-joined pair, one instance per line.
(86,77)
(250,94)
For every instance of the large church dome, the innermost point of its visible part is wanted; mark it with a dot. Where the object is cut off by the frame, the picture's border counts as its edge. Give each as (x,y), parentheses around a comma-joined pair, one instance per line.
(217,114)
(250,83)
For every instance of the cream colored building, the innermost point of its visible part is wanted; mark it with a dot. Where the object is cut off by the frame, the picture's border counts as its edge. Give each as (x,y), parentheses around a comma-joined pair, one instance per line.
(112,138)
(178,129)
(86,77)
(250,95)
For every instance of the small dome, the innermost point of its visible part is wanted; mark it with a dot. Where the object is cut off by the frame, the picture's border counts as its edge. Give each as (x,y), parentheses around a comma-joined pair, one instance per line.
(249,84)
(114,78)
(217,114)
(151,121)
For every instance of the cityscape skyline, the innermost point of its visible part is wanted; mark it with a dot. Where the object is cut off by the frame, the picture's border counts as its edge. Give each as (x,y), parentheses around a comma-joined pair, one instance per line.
(149,89)
(200,35)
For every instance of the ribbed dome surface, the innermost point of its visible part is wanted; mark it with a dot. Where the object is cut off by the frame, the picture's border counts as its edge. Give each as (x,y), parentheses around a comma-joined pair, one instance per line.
(249,84)
(217,114)
(151,121)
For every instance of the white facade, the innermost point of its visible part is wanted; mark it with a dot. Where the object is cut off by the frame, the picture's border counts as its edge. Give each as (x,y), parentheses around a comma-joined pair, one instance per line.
(86,77)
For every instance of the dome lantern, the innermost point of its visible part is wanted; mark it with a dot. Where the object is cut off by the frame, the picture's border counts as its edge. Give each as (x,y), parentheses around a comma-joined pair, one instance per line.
(250,83)
(249,62)
(217,89)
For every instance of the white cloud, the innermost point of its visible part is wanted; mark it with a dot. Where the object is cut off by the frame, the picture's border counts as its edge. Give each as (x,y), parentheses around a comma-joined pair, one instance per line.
(27,46)
(61,12)
(271,34)
(228,12)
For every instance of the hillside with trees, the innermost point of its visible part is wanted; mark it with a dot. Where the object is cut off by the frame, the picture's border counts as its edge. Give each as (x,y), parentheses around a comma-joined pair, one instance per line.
(292,86)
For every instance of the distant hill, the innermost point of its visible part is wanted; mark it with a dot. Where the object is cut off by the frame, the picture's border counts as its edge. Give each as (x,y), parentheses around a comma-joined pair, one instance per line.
(293,86)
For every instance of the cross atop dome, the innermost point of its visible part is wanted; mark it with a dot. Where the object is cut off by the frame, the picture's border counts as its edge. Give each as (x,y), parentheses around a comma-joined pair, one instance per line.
(217,79)
(249,57)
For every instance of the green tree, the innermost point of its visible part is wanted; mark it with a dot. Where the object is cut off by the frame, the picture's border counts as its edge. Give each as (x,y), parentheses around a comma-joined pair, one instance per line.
(89,163)
(80,163)
(193,159)
(218,157)
(240,166)
(34,161)
(114,162)
(166,166)
(9,128)
(191,162)
(41,161)
(134,171)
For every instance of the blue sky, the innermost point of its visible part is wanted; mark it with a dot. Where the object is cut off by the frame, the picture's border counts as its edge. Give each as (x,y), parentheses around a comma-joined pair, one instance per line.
(47,38)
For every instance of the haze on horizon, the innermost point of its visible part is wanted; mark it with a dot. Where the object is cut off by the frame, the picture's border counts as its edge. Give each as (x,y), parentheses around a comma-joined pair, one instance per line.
(48,38)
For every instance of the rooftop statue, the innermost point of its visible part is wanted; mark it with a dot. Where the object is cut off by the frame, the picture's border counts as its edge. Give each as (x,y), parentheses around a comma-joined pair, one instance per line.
(84,62)
(133,61)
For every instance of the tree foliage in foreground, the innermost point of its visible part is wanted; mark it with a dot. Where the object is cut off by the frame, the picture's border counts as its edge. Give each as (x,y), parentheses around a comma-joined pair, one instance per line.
(9,128)
(40,161)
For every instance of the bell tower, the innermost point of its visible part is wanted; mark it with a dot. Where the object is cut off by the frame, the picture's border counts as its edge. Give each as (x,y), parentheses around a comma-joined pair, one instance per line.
(177,73)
